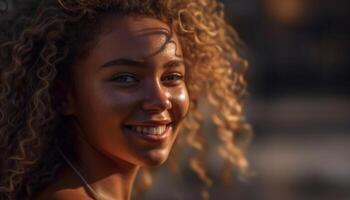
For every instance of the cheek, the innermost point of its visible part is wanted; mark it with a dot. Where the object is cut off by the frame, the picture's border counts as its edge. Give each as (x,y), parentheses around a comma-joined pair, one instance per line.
(120,102)
(181,102)
(102,108)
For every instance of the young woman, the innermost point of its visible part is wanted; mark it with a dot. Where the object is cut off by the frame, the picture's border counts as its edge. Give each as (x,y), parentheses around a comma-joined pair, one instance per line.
(93,91)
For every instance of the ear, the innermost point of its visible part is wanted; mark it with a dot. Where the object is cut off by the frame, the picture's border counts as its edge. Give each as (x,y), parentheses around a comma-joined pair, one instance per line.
(65,99)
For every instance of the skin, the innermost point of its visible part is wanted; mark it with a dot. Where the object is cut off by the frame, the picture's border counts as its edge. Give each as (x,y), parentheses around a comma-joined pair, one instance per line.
(134,75)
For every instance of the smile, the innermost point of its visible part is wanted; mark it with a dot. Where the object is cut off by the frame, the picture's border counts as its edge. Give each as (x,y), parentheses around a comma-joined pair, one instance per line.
(158,132)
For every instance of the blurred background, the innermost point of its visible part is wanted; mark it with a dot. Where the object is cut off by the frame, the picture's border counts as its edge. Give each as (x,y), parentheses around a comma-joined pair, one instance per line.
(298,105)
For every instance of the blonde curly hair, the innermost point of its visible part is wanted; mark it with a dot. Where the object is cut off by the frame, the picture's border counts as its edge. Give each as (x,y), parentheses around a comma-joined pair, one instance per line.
(39,45)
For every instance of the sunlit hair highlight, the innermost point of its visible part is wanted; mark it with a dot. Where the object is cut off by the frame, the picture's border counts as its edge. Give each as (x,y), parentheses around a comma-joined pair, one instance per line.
(39,49)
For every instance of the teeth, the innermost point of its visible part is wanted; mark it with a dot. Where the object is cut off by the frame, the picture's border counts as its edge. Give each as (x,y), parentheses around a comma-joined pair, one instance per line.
(157,130)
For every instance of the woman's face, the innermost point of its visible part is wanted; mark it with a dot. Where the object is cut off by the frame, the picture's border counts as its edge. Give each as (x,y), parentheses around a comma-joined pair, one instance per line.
(129,95)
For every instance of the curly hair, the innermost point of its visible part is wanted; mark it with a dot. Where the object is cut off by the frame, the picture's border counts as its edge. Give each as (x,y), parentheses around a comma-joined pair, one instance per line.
(43,39)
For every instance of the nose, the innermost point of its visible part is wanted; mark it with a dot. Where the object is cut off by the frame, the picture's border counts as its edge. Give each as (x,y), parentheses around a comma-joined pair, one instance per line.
(157,98)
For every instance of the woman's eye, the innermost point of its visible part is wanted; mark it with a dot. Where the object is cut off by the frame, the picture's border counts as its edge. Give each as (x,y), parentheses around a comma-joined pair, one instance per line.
(173,78)
(125,79)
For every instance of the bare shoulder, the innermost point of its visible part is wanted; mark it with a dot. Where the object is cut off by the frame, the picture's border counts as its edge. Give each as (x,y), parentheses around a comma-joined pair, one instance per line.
(65,187)
(64,194)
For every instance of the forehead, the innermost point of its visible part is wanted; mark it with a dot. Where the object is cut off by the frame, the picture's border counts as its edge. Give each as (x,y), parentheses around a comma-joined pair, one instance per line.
(137,37)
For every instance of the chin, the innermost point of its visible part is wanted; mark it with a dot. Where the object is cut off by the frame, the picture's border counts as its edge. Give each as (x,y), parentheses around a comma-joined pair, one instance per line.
(154,158)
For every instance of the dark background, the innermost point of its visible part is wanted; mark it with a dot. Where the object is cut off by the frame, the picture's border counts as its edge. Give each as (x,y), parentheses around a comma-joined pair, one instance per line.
(298,105)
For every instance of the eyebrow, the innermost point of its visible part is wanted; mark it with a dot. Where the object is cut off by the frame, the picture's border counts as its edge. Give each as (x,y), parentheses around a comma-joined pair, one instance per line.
(123,61)
(137,63)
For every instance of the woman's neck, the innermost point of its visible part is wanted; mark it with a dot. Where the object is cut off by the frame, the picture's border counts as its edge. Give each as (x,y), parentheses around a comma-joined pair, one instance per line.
(110,178)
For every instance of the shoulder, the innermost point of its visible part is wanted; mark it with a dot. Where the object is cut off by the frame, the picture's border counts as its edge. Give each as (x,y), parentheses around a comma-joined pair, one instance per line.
(64,194)
(65,187)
